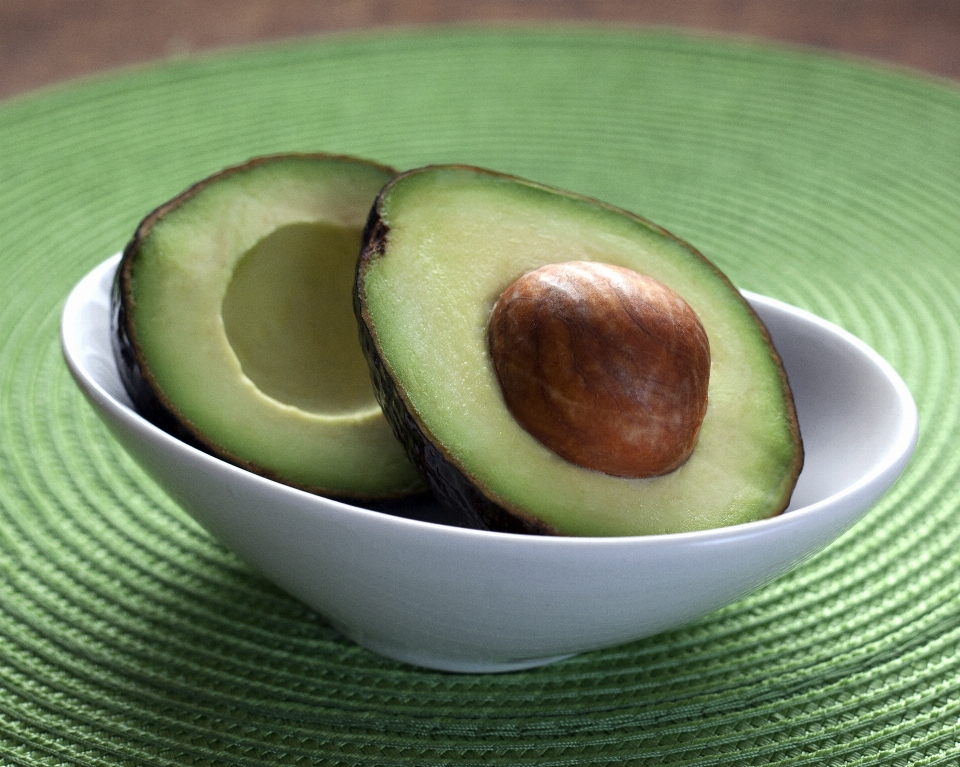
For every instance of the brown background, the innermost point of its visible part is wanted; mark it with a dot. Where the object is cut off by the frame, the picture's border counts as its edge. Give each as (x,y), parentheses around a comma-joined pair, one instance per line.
(45,41)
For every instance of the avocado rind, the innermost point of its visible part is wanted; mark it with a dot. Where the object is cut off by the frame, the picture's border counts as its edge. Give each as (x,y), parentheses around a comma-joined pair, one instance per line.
(174,267)
(435,220)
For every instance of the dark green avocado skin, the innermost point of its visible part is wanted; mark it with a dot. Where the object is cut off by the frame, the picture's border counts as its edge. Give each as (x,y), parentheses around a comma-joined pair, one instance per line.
(448,483)
(125,348)
(144,400)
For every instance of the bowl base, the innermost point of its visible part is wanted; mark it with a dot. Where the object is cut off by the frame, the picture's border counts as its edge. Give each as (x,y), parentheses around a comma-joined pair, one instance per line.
(457,665)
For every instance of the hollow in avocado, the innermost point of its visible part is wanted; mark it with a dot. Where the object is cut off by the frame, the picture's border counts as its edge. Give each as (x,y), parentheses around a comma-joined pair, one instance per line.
(233,325)
(445,243)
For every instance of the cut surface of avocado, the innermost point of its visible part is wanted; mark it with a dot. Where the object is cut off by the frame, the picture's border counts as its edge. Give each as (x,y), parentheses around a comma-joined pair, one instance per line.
(234,325)
(444,243)
(288,316)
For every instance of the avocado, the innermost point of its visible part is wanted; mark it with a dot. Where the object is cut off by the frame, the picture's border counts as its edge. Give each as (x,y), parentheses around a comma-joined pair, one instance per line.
(445,243)
(233,326)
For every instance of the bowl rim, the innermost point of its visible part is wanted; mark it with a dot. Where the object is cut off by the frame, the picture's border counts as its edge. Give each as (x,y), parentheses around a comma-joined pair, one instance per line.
(894,458)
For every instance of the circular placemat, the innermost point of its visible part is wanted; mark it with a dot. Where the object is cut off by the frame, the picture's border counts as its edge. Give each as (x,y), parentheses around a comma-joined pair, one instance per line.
(129,636)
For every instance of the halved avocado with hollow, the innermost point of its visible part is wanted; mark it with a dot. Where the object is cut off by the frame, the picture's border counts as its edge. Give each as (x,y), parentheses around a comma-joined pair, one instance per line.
(443,247)
(234,329)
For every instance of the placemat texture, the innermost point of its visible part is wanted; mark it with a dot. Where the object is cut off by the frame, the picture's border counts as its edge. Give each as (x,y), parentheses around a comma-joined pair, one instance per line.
(129,636)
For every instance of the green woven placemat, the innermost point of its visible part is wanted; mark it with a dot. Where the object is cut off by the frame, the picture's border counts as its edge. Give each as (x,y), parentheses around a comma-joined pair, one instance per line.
(129,636)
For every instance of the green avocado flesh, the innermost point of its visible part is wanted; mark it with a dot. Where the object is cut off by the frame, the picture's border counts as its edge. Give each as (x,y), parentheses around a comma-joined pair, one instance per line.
(452,239)
(239,305)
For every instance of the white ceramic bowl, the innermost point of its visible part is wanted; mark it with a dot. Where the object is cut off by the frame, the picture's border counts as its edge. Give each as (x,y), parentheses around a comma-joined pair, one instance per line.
(467,600)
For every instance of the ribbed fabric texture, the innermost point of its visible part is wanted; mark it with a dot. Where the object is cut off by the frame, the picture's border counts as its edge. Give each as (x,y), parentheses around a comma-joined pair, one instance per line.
(128,636)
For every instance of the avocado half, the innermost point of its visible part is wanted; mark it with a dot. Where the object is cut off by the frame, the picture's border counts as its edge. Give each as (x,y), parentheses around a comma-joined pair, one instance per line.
(233,326)
(441,246)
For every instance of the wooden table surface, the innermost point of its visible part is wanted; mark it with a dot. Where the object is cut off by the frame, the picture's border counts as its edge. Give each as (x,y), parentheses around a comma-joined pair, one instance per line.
(46,41)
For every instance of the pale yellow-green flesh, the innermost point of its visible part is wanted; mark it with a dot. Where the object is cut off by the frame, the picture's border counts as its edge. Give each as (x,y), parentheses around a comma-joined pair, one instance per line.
(243,309)
(456,241)
(288,315)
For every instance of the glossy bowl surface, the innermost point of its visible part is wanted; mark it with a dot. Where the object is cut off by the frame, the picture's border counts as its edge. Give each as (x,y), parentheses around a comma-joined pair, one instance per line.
(457,599)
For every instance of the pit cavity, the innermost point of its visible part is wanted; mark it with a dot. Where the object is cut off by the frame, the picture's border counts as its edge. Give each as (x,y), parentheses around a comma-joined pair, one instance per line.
(288,314)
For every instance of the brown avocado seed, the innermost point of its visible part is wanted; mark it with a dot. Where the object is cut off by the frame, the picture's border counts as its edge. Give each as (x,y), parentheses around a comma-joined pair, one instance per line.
(606,367)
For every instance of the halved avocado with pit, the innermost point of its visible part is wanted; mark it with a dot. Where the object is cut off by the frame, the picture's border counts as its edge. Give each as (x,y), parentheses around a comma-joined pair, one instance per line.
(442,245)
(234,330)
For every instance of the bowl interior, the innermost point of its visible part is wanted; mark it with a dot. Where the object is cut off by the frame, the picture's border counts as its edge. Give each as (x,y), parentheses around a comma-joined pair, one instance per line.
(857,417)
(85,332)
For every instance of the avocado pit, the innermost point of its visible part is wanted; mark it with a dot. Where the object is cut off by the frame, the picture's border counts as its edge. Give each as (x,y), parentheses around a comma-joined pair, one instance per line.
(607,367)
